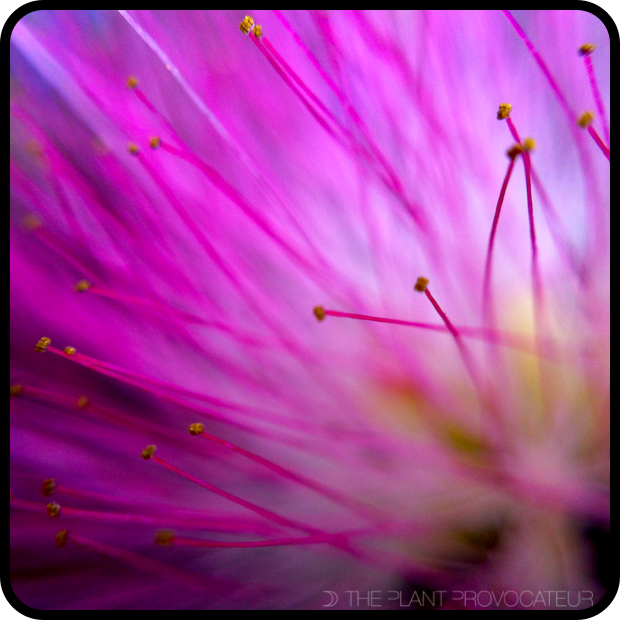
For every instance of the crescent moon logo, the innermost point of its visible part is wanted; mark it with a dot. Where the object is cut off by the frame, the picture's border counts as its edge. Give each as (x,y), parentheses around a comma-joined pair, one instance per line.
(334,598)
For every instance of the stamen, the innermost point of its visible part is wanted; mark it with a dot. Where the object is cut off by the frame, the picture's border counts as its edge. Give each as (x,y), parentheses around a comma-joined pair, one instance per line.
(421,285)
(514,151)
(69,350)
(558,230)
(491,335)
(541,63)
(83,360)
(529,144)
(486,294)
(225,328)
(268,514)
(148,452)
(585,51)
(465,354)
(16,389)
(598,141)
(319,312)
(155,142)
(442,314)
(197,232)
(343,136)
(504,111)
(132,82)
(232,194)
(530,211)
(53,510)
(139,301)
(61,538)
(196,429)
(258,31)
(182,541)
(199,520)
(246,25)
(48,487)
(335,496)
(513,129)
(304,94)
(133,148)
(123,374)
(584,121)
(82,286)
(214,255)
(82,402)
(42,345)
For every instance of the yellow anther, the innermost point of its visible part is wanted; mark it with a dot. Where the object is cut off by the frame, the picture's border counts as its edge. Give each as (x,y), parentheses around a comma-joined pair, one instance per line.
(82,402)
(69,350)
(585,119)
(132,147)
(164,538)
(132,81)
(529,144)
(42,345)
(512,152)
(82,286)
(258,31)
(48,486)
(586,49)
(504,111)
(247,23)
(155,142)
(421,285)
(53,510)
(148,452)
(61,538)
(32,221)
(196,429)
(319,313)
(16,389)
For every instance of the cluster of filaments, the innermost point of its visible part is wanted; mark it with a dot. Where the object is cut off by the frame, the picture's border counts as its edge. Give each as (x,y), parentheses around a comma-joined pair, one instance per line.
(307,534)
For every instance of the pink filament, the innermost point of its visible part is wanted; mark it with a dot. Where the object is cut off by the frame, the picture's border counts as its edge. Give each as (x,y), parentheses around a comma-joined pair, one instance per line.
(267,514)
(596,93)
(541,63)
(527,165)
(598,141)
(277,542)
(481,333)
(537,283)
(487,269)
(513,130)
(463,350)
(209,413)
(289,475)
(392,181)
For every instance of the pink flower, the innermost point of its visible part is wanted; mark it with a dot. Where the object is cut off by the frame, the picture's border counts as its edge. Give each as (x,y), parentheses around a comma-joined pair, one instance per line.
(185,190)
